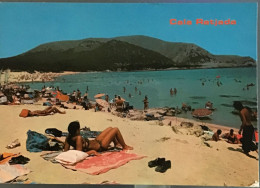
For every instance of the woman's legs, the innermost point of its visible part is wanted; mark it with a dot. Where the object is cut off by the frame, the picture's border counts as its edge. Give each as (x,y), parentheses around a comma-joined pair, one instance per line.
(109,136)
(55,110)
(104,133)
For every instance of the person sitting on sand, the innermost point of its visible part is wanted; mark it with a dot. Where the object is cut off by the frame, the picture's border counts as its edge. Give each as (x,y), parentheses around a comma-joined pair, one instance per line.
(231,137)
(47,111)
(100,143)
(216,135)
(119,104)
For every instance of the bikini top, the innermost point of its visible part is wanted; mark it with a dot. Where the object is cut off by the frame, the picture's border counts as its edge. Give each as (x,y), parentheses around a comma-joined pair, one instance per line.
(84,147)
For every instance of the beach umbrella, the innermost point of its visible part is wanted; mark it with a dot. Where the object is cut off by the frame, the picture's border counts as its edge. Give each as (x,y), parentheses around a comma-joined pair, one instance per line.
(201,113)
(99,95)
(62,97)
(102,102)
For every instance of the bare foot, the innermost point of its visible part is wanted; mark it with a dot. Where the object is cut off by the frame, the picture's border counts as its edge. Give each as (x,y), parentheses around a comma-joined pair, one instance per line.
(64,112)
(118,146)
(128,148)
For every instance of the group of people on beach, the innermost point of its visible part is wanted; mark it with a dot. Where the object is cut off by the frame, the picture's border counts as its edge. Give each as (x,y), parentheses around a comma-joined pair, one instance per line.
(246,129)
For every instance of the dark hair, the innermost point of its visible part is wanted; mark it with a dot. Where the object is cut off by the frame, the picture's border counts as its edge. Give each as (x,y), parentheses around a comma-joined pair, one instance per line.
(231,130)
(73,127)
(119,97)
(238,105)
(219,131)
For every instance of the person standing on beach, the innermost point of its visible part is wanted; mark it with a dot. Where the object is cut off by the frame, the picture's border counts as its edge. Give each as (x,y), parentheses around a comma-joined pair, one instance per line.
(145,102)
(246,127)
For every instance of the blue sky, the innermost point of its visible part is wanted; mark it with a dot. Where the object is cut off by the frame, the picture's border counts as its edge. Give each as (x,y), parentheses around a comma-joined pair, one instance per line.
(24,26)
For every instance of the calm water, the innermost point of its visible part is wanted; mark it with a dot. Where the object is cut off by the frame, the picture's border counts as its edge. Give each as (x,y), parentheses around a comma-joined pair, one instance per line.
(156,85)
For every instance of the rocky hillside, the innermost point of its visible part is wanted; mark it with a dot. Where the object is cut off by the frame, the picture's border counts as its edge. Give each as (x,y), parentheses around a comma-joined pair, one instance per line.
(119,53)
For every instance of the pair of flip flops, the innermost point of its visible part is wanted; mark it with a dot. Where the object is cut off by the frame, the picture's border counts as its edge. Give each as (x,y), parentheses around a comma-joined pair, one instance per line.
(161,164)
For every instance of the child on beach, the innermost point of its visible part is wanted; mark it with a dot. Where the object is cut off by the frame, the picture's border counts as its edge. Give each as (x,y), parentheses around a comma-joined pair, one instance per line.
(100,143)
(216,135)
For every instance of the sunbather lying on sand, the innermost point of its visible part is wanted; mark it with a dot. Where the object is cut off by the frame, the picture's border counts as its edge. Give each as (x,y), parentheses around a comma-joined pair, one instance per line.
(100,143)
(47,111)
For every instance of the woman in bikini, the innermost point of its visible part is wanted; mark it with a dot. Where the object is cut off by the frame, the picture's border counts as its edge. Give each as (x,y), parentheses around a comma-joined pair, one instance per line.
(100,143)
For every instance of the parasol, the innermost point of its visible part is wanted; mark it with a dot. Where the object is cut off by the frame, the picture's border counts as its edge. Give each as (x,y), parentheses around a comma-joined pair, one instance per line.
(102,102)
(201,113)
(99,95)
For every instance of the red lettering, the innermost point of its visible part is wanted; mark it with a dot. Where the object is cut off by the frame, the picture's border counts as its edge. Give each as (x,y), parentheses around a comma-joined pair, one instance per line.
(227,22)
(233,22)
(206,22)
(189,22)
(199,21)
(173,21)
(180,22)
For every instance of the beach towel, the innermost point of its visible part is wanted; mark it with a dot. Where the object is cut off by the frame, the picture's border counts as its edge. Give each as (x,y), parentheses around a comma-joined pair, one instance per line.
(85,134)
(107,161)
(10,172)
(50,156)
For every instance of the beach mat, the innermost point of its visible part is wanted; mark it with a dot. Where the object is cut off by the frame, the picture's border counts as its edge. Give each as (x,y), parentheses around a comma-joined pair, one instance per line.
(105,162)
(10,172)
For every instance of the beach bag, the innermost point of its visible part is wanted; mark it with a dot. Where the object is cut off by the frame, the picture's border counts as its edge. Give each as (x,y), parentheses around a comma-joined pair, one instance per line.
(36,142)
(24,113)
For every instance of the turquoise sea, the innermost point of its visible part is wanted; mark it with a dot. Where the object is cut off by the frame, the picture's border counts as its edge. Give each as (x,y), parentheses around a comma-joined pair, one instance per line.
(157,84)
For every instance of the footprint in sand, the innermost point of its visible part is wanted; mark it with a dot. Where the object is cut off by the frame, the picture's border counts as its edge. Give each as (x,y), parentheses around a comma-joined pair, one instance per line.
(182,141)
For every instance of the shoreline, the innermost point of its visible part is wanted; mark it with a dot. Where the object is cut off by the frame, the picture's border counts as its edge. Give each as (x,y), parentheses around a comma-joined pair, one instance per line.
(15,76)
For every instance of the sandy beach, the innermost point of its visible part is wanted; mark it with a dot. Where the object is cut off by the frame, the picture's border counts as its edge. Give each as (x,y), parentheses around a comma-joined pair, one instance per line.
(193,163)
(18,77)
